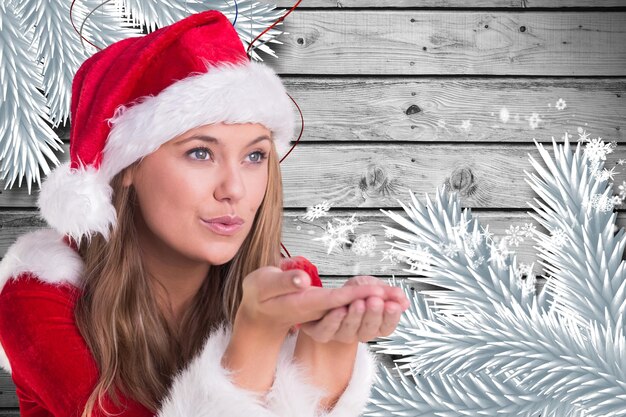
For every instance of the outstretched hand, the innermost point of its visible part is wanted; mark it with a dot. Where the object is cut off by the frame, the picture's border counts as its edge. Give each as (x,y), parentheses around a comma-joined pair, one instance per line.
(363,319)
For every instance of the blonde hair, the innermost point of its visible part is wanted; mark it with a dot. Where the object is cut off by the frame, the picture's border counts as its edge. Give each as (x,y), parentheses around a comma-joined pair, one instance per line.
(136,350)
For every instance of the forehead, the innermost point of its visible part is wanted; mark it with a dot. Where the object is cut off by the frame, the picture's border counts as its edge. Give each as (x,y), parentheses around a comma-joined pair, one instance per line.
(225,135)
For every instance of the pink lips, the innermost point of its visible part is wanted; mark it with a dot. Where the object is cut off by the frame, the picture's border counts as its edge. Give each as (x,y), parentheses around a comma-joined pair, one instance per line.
(222,228)
(225,220)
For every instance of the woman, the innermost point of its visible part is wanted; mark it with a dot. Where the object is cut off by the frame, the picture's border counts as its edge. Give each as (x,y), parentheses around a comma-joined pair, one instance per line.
(167,307)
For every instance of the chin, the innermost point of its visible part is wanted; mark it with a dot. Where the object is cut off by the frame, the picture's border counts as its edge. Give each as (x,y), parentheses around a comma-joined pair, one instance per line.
(221,260)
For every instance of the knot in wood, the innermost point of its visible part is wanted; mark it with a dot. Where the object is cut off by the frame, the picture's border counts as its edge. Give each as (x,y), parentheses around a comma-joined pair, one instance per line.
(414,108)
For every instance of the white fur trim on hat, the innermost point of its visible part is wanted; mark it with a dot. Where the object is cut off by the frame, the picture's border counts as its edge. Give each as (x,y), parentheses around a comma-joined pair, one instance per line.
(78,202)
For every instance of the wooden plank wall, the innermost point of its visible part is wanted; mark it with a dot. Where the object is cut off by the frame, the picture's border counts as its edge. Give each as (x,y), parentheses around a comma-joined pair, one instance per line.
(402,95)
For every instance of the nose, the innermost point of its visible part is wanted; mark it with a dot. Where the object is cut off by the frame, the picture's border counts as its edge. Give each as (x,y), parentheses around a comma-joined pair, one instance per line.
(230,184)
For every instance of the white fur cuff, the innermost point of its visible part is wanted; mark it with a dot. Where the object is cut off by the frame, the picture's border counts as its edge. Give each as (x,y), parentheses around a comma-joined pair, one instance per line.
(205,389)
(292,395)
(354,399)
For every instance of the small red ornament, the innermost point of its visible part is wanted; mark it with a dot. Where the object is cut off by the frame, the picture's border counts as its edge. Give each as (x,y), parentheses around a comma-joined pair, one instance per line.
(300,262)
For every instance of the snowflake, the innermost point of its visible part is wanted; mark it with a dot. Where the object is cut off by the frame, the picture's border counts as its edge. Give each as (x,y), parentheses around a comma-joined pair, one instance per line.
(390,254)
(498,252)
(528,284)
(559,237)
(594,169)
(524,269)
(418,265)
(470,247)
(418,257)
(460,229)
(486,233)
(364,245)
(534,120)
(528,229)
(617,200)
(416,250)
(515,236)
(350,223)
(478,262)
(621,161)
(601,203)
(583,136)
(333,236)
(560,104)
(477,239)
(608,174)
(597,150)
(622,189)
(449,249)
(317,211)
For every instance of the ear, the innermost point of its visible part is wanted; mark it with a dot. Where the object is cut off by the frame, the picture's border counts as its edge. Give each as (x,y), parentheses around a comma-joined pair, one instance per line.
(127,179)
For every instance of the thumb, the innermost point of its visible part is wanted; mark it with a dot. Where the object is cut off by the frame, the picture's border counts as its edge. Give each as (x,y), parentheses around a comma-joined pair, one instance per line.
(299,279)
(285,282)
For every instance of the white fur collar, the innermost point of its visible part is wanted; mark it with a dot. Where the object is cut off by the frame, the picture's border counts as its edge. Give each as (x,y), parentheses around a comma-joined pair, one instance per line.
(44,253)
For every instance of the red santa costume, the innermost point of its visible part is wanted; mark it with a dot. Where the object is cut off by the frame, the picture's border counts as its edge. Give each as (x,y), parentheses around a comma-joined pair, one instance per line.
(127,100)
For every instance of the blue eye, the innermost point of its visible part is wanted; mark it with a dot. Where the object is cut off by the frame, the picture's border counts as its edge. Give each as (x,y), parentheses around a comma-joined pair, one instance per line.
(207,152)
(263,155)
(200,150)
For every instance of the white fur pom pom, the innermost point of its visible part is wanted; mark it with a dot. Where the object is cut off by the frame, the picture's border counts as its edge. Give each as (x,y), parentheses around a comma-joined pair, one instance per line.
(77,202)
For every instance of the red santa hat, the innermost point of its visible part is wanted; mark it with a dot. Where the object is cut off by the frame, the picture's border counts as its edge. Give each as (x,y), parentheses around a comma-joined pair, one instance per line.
(140,92)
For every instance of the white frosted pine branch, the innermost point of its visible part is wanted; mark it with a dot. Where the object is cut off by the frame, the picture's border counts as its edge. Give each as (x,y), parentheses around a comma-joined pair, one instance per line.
(25,137)
(548,355)
(472,285)
(395,393)
(587,274)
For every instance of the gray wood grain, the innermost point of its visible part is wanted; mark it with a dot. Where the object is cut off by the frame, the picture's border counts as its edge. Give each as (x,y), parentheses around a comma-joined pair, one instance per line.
(533,43)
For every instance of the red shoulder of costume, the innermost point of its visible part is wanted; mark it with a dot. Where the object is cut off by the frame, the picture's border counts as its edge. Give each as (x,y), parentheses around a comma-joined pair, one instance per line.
(51,366)
(300,262)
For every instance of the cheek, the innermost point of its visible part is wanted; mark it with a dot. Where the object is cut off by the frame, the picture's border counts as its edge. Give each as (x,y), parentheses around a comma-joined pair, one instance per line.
(257,190)
(168,199)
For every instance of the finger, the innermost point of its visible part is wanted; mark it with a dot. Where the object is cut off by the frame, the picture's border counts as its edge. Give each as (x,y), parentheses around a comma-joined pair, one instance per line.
(391,318)
(363,280)
(314,302)
(323,330)
(317,300)
(391,292)
(347,332)
(372,319)
(397,294)
(276,282)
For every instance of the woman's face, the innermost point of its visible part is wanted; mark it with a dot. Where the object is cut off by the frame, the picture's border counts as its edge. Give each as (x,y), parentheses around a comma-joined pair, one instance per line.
(209,171)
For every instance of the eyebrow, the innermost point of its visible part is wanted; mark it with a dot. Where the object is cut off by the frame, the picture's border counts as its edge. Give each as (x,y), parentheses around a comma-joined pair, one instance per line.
(211,139)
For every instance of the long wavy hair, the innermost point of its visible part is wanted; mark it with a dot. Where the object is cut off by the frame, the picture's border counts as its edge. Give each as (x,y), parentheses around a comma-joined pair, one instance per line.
(118,313)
